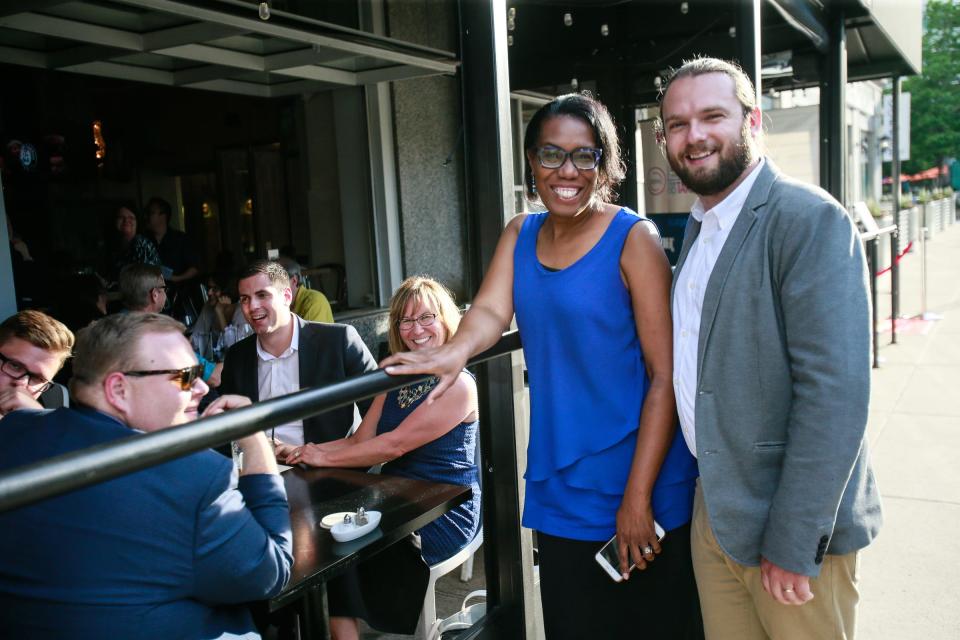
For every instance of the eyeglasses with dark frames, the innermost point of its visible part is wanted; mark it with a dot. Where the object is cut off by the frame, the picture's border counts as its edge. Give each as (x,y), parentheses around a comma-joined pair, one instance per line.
(424,320)
(583,158)
(36,383)
(165,288)
(187,375)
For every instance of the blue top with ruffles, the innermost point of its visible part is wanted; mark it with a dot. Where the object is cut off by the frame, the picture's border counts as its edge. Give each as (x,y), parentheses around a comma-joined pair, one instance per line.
(587,386)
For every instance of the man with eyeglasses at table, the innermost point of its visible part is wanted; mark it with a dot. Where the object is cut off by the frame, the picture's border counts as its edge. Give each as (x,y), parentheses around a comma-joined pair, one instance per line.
(287,353)
(33,348)
(142,288)
(170,551)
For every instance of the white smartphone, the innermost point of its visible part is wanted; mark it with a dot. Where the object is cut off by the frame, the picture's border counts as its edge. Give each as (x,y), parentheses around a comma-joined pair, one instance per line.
(609,555)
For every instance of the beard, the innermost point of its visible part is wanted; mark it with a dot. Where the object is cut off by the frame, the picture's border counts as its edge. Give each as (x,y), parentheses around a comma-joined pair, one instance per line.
(733,161)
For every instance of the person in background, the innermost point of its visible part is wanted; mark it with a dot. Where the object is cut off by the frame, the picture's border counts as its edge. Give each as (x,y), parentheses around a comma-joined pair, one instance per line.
(127,246)
(33,348)
(177,255)
(28,275)
(286,354)
(82,300)
(435,442)
(771,319)
(220,317)
(309,304)
(143,288)
(217,309)
(590,285)
(170,551)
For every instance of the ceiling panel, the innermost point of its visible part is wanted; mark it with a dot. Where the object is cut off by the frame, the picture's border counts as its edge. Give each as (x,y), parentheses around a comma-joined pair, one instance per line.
(210,44)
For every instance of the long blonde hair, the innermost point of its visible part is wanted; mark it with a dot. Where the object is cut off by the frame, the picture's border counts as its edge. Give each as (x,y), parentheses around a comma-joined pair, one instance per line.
(430,292)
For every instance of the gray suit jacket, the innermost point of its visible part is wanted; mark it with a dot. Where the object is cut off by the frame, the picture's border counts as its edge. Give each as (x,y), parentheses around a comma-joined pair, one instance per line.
(329,353)
(783,381)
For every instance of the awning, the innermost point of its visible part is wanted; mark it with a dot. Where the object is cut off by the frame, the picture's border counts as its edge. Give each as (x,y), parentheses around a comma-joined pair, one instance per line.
(930,174)
(219,45)
(903,178)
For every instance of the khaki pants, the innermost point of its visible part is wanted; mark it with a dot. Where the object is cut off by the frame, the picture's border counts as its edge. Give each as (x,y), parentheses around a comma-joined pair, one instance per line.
(735,606)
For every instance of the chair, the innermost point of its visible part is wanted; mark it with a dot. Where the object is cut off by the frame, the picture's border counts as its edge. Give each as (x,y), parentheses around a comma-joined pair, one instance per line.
(55,397)
(428,627)
(331,279)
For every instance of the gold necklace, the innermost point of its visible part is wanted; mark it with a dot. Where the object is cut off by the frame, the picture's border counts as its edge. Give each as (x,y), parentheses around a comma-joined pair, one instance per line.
(408,395)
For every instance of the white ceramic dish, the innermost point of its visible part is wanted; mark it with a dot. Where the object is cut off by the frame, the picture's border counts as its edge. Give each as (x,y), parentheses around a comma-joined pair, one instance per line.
(345,532)
(334,518)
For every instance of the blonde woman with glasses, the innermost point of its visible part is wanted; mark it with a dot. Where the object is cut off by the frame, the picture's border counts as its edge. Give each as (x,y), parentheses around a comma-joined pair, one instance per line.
(434,442)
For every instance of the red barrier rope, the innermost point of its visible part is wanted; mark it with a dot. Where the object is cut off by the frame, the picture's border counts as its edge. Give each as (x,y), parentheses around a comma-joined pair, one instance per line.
(899,257)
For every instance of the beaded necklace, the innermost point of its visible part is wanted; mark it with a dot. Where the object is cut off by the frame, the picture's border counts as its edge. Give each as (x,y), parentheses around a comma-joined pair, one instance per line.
(408,395)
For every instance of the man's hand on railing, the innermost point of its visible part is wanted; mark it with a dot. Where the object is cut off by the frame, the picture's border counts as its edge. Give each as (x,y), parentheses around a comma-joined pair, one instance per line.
(445,362)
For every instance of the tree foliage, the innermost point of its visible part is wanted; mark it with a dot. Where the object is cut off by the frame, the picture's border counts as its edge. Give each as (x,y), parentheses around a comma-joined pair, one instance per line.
(935,94)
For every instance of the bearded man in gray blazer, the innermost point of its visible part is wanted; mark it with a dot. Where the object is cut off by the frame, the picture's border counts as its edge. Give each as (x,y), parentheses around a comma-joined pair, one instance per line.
(771,373)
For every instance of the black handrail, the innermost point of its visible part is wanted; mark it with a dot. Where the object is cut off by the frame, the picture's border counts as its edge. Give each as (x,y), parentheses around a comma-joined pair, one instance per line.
(78,469)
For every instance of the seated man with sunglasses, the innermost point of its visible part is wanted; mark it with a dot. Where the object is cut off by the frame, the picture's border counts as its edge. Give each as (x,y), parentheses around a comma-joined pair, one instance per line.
(33,348)
(170,551)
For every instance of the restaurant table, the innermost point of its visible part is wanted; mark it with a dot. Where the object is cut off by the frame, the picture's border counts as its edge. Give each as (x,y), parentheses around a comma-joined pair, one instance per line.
(405,504)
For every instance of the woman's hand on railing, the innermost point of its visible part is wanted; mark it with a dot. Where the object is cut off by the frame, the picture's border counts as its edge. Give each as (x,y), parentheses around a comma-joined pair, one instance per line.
(445,362)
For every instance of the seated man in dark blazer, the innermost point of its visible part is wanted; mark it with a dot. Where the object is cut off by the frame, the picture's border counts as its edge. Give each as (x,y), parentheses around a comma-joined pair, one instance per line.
(286,353)
(171,551)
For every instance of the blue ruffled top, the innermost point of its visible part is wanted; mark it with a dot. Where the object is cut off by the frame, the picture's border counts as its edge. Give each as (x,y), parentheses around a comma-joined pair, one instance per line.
(587,386)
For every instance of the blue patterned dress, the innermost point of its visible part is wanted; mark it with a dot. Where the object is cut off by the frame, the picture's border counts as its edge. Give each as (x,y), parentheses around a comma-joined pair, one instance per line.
(451,459)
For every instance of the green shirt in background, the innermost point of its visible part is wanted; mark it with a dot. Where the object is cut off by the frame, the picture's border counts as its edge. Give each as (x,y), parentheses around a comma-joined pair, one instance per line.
(311,305)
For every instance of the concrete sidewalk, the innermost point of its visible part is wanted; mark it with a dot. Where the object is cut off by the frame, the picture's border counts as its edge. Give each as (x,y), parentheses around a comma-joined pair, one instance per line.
(909,576)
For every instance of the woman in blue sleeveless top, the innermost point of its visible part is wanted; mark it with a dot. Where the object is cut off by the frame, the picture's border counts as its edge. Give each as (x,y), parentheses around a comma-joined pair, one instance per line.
(435,442)
(590,284)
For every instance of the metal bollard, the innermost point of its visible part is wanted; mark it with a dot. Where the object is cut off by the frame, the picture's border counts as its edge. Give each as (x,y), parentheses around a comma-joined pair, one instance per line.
(894,283)
(923,272)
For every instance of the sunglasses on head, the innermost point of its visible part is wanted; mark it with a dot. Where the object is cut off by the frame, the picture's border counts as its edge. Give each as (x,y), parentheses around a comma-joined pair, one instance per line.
(187,375)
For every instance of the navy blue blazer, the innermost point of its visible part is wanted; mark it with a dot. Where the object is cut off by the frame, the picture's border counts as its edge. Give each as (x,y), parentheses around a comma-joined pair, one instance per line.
(167,552)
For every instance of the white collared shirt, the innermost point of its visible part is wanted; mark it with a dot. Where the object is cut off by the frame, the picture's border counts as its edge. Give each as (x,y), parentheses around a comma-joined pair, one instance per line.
(715,226)
(278,376)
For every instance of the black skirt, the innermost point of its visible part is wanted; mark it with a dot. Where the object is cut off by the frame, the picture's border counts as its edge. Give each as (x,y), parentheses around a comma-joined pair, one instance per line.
(581,601)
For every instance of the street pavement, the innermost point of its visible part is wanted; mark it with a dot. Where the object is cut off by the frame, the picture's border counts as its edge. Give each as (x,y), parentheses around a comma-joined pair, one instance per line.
(909,576)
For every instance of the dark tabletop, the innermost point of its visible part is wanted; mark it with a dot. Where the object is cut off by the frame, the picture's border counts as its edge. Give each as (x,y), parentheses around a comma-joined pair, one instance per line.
(406,505)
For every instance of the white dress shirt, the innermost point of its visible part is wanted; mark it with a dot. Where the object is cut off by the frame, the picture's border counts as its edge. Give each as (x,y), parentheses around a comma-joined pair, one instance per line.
(715,226)
(278,376)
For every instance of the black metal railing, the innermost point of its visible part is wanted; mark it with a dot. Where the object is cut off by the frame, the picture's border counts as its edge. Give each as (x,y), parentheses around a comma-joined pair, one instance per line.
(871,240)
(78,469)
